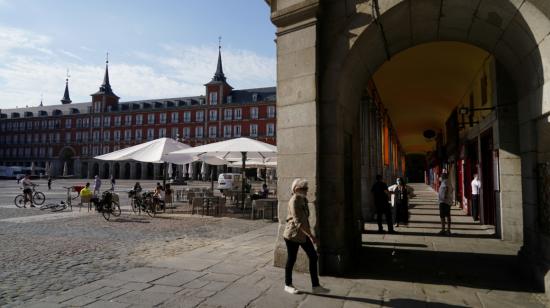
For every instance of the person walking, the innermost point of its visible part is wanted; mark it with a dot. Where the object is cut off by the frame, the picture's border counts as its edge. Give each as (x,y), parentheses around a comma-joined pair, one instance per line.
(400,201)
(476,188)
(113,182)
(381,193)
(49,183)
(297,234)
(445,197)
(97,185)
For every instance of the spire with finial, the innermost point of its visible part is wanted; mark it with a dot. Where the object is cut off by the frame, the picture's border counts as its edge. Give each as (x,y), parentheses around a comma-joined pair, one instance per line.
(219,76)
(66,98)
(106,86)
(41,99)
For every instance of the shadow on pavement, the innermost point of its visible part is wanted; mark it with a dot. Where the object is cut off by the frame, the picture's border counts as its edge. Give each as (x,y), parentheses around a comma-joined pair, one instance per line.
(475,270)
(129,219)
(397,302)
(394,244)
(454,234)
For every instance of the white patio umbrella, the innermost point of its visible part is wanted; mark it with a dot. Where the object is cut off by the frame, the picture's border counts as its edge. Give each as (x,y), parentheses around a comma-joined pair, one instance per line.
(242,148)
(170,170)
(184,171)
(203,170)
(65,171)
(191,170)
(33,168)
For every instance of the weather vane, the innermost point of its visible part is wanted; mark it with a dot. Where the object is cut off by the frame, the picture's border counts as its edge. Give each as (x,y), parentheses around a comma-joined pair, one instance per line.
(67,79)
(107,57)
(219,42)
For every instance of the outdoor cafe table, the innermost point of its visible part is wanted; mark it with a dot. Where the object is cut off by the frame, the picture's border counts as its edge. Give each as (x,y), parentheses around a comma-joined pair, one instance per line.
(263,203)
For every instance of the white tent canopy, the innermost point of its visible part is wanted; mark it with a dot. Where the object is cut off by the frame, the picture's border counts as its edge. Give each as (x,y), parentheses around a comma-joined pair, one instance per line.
(154,151)
(232,149)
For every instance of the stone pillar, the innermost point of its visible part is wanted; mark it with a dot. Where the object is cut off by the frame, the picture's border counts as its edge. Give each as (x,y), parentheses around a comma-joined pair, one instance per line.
(77,168)
(133,170)
(143,170)
(297,102)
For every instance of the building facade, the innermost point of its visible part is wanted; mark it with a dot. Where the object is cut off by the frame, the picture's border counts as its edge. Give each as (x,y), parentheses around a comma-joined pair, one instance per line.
(65,138)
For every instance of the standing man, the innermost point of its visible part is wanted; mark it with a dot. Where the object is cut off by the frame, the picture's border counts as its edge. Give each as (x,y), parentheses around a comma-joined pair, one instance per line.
(49,183)
(27,190)
(381,193)
(113,182)
(476,188)
(445,197)
(97,185)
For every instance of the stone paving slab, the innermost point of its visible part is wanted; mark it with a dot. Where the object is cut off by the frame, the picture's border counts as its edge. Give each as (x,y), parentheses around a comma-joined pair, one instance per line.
(143,274)
(179,278)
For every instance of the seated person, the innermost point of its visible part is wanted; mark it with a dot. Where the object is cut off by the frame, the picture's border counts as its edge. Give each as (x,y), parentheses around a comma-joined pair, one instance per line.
(158,196)
(265,192)
(137,187)
(86,192)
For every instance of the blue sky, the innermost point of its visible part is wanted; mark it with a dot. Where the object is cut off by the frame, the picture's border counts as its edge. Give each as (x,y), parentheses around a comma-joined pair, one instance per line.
(157,49)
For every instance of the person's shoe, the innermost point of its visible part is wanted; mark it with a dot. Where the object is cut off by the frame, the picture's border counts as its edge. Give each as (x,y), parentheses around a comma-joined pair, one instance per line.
(448,233)
(442,232)
(319,290)
(291,290)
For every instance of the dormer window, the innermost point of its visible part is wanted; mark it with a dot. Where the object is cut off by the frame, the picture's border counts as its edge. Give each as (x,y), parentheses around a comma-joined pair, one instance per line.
(213,98)
(201,101)
(229,99)
(255,97)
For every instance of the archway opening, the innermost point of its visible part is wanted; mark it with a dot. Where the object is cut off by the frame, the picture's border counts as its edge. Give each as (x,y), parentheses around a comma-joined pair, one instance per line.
(127,168)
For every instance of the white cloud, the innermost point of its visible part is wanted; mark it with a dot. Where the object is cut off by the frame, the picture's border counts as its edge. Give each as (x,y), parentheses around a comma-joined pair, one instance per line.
(29,67)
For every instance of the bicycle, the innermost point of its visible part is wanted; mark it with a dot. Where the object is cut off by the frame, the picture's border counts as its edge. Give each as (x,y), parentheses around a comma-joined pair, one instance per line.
(62,205)
(37,198)
(142,202)
(108,205)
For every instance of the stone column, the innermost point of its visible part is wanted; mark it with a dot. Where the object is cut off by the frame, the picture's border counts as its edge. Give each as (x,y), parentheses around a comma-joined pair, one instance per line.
(143,170)
(133,170)
(297,126)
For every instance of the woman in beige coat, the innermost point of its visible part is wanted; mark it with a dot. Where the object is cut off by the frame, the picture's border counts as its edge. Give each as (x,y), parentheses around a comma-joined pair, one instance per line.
(298,233)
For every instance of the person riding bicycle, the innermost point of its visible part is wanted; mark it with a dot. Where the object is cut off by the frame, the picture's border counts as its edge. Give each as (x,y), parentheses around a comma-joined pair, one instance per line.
(137,188)
(27,189)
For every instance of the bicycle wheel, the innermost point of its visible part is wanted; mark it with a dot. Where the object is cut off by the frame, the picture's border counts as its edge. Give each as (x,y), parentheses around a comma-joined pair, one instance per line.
(19,201)
(150,209)
(48,206)
(106,213)
(116,209)
(38,198)
(58,207)
(135,206)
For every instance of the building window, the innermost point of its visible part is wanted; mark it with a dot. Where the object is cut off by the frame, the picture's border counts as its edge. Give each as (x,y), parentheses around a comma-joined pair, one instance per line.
(253,130)
(199,132)
(213,98)
(85,122)
(57,137)
(227,131)
(78,123)
(106,121)
(105,149)
(128,120)
(213,115)
(212,131)
(229,99)
(255,97)
(138,134)
(162,132)
(85,137)
(127,134)
(78,137)
(186,132)
(199,116)
(95,151)
(238,114)
(84,150)
(139,119)
(174,132)
(175,117)
(150,133)
(68,123)
(106,135)
(97,121)
(187,116)
(50,152)
(254,112)
(117,135)
(151,118)
(95,135)
(270,111)
(117,120)
(228,114)
(162,118)
(270,129)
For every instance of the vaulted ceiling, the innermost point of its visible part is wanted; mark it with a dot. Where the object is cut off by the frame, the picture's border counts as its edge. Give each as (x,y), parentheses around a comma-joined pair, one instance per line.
(422,85)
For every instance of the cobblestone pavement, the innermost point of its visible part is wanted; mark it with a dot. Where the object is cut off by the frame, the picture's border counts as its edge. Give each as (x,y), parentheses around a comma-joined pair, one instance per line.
(415,268)
(41,256)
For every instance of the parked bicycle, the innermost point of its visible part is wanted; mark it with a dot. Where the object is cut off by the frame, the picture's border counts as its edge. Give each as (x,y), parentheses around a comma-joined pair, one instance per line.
(37,198)
(142,202)
(108,204)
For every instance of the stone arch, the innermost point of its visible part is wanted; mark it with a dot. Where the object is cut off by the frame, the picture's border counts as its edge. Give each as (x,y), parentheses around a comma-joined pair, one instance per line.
(95,169)
(138,170)
(150,171)
(106,171)
(127,168)
(349,48)
(116,170)
(66,158)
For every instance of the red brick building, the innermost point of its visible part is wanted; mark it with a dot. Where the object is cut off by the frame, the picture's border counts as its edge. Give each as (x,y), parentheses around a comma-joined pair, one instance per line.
(72,134)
